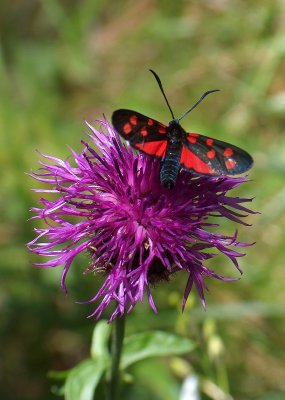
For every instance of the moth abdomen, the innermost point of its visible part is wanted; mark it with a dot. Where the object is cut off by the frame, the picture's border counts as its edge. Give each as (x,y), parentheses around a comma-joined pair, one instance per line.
(171,165)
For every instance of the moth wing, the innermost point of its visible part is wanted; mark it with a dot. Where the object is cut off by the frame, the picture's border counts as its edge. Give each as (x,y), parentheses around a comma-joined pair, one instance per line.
(143,133)
(209,156)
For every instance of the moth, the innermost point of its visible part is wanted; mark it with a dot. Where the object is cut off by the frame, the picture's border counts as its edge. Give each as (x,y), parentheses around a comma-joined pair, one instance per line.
(178,149)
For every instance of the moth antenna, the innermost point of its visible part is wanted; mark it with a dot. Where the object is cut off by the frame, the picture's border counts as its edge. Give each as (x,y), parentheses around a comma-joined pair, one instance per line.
(198,102)
(162,91)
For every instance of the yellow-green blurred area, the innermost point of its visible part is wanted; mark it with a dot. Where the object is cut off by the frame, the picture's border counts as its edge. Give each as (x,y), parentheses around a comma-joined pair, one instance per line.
(65,61)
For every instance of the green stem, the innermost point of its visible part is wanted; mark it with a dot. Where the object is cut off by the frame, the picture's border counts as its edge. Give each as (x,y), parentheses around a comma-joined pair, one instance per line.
(116,351)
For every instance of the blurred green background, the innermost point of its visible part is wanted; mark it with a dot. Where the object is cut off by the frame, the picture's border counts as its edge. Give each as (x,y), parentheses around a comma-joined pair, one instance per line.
(65,61)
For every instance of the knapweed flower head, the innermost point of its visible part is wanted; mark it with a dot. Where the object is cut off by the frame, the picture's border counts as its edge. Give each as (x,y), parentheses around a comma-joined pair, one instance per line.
(110,204)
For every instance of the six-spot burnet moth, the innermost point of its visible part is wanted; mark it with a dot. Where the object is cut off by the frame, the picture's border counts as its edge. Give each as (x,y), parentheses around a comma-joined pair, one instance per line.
(177,148)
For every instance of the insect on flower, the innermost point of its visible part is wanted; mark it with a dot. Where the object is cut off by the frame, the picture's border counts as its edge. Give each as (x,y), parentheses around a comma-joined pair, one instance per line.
(177,148)
(108,202)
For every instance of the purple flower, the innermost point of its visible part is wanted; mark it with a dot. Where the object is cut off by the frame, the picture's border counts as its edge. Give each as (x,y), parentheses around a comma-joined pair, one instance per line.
(112,206)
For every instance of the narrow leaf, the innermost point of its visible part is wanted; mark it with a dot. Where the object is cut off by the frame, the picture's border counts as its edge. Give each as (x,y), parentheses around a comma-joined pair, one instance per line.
(58,375)
(100,339)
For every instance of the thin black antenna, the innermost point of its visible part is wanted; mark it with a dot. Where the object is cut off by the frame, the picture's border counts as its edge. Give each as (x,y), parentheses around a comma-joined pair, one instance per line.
(162,91)
(199,101)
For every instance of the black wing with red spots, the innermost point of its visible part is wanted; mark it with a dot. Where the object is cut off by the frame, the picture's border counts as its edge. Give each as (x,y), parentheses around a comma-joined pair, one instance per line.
(209,156)
(143,133)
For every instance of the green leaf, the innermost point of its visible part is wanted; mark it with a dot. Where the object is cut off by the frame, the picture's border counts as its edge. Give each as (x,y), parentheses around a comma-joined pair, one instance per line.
(150,344)
(83,380)
(100,339)
(58,375)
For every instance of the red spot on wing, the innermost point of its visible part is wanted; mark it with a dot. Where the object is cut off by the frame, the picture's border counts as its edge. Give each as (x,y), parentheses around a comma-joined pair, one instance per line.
(144,132)
(228,152)
(162,129)
(127,128)
(150,122)
(211,153)
(134,119)
(192,137)
(156,148)
(191,161)
(209,142)
(230,163)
